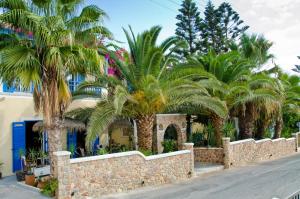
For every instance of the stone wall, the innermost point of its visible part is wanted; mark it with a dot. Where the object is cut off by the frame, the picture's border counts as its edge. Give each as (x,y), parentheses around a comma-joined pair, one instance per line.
(162,122)
(99,175)
(249,151)
(209,155)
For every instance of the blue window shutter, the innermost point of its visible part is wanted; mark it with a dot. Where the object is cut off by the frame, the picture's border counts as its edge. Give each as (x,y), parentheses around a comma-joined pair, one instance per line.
(18,144)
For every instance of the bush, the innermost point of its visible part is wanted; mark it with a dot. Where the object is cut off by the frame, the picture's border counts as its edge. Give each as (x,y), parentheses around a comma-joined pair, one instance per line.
(50,188)
(169,146)
(146,152)
(198,139)
(102,152)
(229,130)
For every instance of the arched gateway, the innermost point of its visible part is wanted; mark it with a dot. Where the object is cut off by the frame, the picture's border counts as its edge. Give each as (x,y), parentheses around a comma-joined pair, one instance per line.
(165,121)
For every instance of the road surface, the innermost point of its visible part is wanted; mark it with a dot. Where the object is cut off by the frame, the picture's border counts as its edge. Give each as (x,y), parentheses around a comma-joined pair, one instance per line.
(273,179)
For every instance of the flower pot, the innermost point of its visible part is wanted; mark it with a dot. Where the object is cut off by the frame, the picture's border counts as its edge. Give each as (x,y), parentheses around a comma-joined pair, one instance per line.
(30,179)
(20,176)
(41,185)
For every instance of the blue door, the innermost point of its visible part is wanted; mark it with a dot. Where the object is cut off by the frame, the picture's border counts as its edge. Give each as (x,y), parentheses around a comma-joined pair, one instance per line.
(72,143)
(18,144)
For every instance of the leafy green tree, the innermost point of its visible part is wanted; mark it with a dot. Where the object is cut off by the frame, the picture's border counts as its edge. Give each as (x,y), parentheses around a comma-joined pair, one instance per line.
(148,86)
(62,43)
(188,27)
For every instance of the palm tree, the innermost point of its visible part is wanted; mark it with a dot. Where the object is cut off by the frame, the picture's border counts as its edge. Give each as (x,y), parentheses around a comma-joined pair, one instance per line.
(290,101)
(255,48)
(149,84)
(227,68)
(249,97)
(60,44)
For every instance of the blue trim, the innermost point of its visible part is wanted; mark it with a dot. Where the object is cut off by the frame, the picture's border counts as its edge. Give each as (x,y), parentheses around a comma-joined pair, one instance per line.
(18,143)
(75,81)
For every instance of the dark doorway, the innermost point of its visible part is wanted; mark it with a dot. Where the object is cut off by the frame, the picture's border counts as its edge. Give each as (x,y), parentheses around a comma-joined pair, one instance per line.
(170,133)
(34,140)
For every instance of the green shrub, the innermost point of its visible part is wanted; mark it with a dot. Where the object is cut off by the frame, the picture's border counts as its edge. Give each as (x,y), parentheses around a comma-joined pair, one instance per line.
(50,188)
(198,139)
(169,146)
(209,130)
(229,130)
(102,152)
(146,152)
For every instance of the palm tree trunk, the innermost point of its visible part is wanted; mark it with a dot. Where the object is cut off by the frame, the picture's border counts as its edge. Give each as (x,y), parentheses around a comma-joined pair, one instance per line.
(54,144)
(217,123)
(261,127)
(278,127)
(246,122)
(51,117)
(145,125)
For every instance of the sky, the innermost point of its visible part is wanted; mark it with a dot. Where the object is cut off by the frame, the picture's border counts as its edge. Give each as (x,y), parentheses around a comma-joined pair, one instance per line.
(277,20)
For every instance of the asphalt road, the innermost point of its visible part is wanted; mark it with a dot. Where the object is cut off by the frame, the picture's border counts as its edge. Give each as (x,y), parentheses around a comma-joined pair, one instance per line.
(273,179)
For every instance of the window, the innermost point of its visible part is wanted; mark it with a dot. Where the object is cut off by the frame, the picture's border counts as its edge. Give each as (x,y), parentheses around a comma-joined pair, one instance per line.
(75,81)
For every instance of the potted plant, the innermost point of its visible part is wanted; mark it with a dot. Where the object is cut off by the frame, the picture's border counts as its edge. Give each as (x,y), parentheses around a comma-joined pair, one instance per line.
(29,176)
(1,163)
(42,182)
(21,174)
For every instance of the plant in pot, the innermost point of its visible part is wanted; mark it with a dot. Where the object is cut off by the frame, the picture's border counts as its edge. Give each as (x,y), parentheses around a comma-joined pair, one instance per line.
(21,174)
(29,176)
(1,163)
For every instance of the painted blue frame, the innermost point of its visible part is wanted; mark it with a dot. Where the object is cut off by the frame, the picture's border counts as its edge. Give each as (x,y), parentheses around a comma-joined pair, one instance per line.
(18,143)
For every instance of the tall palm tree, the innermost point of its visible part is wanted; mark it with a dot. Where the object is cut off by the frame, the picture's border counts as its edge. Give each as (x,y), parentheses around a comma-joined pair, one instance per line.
(227,68)
(149,84)
(60,44)
(255,48)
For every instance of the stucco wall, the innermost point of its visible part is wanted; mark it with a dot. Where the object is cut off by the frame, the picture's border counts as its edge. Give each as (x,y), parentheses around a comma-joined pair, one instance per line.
(118,137)
(249,151)
(209,155)
(119,172)
(17,108)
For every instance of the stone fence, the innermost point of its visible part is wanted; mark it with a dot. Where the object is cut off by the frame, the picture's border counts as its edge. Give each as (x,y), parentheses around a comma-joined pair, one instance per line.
(99,175)
(249,151)
(209,155)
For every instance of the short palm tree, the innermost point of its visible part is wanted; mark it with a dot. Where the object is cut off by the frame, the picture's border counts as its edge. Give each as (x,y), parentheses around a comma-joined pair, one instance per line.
(60,44)
(227,68)
(249,97)
(149,84)
(290,101)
